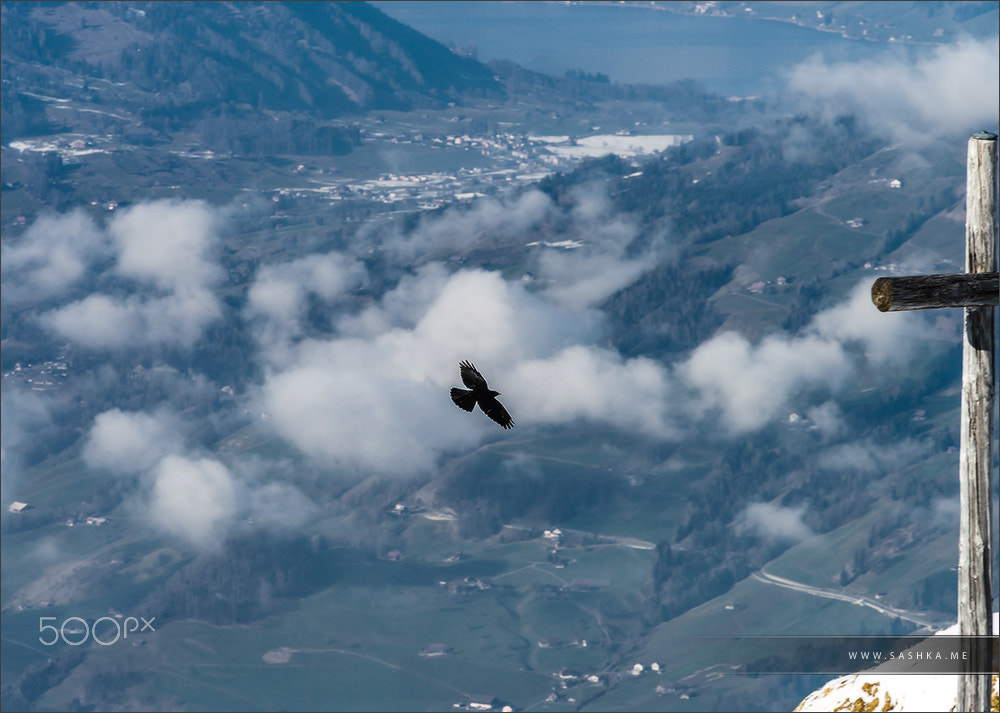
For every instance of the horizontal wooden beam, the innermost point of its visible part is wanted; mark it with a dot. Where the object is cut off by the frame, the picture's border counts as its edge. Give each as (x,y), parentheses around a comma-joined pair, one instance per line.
(894,294)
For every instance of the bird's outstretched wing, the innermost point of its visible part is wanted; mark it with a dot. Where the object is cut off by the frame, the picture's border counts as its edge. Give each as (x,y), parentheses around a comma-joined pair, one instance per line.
(471,377)
(495,410)
(463,399)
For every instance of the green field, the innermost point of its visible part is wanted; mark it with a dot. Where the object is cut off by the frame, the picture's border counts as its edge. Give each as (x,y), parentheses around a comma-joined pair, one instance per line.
(361,638)
(696,657)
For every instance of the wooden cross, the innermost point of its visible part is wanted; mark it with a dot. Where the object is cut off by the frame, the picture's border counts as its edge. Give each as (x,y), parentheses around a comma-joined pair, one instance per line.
(978,291)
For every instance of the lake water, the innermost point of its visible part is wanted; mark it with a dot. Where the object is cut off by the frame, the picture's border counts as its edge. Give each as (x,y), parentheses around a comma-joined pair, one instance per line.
(733,56)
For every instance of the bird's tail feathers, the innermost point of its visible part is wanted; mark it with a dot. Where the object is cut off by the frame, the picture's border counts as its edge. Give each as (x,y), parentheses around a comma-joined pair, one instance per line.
(463,398)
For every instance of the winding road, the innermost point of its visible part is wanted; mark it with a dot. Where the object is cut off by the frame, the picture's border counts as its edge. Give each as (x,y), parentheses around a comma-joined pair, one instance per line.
(919,619)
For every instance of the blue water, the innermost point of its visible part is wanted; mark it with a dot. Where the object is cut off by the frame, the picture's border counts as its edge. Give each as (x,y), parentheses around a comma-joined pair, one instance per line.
(630,44)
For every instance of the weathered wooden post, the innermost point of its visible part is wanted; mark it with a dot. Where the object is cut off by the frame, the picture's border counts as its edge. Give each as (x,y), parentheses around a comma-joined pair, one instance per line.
(978,293)
(975,579)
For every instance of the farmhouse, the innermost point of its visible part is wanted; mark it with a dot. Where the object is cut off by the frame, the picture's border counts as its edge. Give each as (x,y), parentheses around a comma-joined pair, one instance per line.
(467,585)
(433,650)
(481,703)
(568,674)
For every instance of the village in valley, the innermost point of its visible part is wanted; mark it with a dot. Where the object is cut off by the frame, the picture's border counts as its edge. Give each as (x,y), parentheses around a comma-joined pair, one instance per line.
(472,165)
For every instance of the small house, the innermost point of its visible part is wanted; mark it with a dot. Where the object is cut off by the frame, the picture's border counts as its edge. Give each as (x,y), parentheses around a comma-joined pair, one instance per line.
(481,703)
(433,650)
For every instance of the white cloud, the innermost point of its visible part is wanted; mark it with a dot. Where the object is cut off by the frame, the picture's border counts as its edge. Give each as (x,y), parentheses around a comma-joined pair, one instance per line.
(401,307)
(95,321)
(193,499)
(586,275)
(478,312)
(102,322)
(279,506)
(382,401)
(947,91)
(378,397)
(487,221)
(197,498)
(827,419)
(345,402)
(27,418)
(751,384)
(946,512)
(168,243)
(166,246)
(279,291)
(583,382)
(773,522)
(277,299)
(577,277)
(583,279)
(179,318)
(131,442)
(52,256)
(887,339)
(869,457)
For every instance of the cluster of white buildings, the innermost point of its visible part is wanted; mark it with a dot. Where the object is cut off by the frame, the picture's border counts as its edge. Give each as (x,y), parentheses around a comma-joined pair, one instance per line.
(37,377)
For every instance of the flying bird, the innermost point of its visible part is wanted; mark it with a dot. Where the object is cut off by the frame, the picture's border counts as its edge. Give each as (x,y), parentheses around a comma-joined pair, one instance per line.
(479,393)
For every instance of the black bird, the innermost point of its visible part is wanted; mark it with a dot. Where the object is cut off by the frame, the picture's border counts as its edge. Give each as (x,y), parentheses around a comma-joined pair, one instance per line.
(479,392)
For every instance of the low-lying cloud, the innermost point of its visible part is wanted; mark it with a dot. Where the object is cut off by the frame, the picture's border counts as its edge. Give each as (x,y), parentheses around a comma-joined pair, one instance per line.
(278,298)
(599,265)
(104,322)
(489,221)
(586,263)
(27,420)
(947,91)
(51,258)
(184,493)
(169,243)
(752,384)
(374,396)
(131,442)
(773,523)
(193,499)
(388,367)
(597,385)
(369,392)
(869,457)
(167,249)
(377,397)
